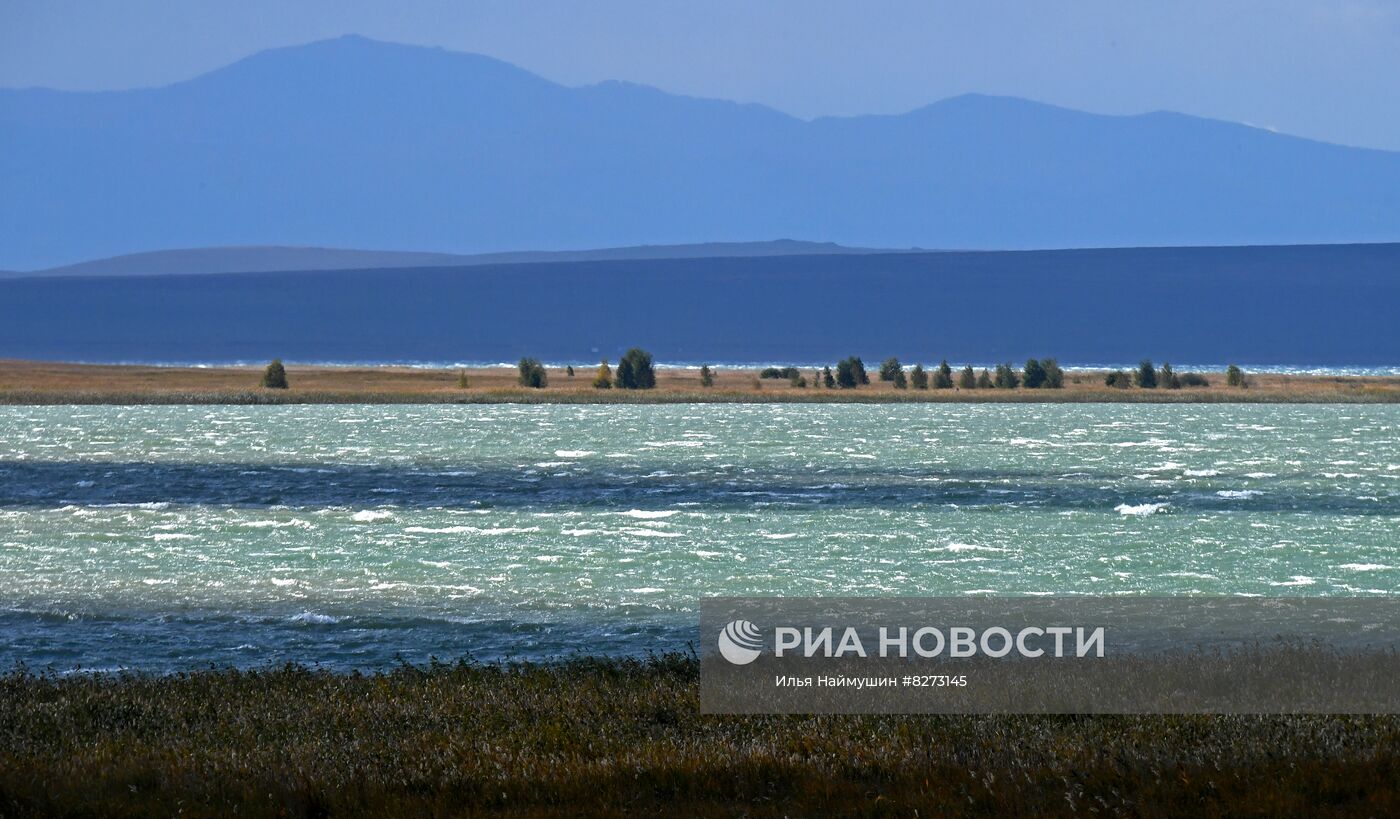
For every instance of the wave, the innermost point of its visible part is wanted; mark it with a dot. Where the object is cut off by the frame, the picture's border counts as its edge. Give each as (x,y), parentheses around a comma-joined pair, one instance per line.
(1141,509)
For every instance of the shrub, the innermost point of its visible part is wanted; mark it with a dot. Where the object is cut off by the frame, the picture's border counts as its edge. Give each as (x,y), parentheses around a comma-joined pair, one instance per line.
(1006,378)
(778,372)
(604,379)
(532,374)
(634,371)
(1033,375)
(796,380)
(900,381)
(707,376)
(1146,377)
(918,378)
(984,380)
(943,379)
(1054,376)
(461,379)
(1167,378)
(275,376)
(1193,380)
(858,367)
(1118,379)
(967,379)
(569,371)
(1234,377)
(888,368)
(828,380)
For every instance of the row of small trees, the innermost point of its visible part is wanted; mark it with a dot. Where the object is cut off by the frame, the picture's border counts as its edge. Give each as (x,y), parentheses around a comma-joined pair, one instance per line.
(1148,377)
(635,371)
(850,373)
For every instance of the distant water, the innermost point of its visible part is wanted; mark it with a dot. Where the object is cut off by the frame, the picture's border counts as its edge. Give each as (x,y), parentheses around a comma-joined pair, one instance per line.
(172,537)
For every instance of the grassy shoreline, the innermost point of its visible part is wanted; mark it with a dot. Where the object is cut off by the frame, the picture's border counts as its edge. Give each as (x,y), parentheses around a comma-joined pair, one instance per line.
(46,383)
(617,737)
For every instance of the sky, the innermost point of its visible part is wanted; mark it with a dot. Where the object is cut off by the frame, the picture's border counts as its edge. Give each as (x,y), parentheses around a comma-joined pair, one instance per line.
(1324,69)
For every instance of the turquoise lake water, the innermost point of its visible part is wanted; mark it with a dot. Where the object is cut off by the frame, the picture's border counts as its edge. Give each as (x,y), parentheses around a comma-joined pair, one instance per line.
(174,537)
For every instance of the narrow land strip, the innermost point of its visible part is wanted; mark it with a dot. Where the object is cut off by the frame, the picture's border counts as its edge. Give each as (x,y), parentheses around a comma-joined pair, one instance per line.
(34,382)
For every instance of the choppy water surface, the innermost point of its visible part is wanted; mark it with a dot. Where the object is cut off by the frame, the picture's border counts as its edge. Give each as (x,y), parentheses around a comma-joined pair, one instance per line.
(169,537)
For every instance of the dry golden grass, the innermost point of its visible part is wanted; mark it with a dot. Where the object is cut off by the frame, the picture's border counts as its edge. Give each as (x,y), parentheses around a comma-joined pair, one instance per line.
(24,382)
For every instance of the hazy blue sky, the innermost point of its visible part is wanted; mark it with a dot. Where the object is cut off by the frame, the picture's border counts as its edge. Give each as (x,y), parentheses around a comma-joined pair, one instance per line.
(1328,69)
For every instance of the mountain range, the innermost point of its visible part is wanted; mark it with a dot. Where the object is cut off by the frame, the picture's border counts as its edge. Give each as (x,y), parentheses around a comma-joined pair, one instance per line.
(357,143)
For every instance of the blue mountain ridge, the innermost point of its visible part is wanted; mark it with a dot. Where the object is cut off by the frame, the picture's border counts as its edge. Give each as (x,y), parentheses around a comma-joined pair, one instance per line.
(357,143)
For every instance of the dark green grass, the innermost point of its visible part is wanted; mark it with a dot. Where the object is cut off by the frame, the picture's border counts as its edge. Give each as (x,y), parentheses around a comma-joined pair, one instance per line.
(626,737)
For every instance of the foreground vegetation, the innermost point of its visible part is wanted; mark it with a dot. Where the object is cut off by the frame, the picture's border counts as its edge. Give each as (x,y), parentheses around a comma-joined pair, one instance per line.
(626,737)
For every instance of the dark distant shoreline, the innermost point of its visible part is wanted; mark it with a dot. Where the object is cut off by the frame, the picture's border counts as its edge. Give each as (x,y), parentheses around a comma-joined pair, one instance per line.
(1308,306)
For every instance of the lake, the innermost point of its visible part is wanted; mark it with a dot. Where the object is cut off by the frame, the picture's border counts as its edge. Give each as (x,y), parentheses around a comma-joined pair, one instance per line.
(174,537)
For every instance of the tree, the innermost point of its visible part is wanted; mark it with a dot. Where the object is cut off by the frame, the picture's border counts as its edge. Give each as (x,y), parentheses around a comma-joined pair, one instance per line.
(918,378)
(1234,376)
(532,374)
(1033,375)
(1006,378)
(603,380)
(1167,378)
(889,367)
(828,380)
(967,379)
(461,379)
(858,367)
(1054,376)
(1146,377)
(634,371)
(707,376)
(1118,379)
(984,380)
(900,381)
(569,371)
(943,379)
(275,376)
(846,377)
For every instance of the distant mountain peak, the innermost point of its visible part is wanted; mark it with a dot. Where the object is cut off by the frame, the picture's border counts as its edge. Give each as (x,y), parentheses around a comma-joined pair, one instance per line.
(353,142)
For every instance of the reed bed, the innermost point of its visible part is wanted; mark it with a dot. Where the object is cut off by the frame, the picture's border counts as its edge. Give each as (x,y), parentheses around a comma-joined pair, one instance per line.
(615,737)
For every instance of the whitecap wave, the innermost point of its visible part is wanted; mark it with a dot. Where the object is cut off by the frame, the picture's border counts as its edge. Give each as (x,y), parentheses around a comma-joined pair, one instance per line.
(314,618)
(1239,494)
(371,515)
(970,547)
(1140,509)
